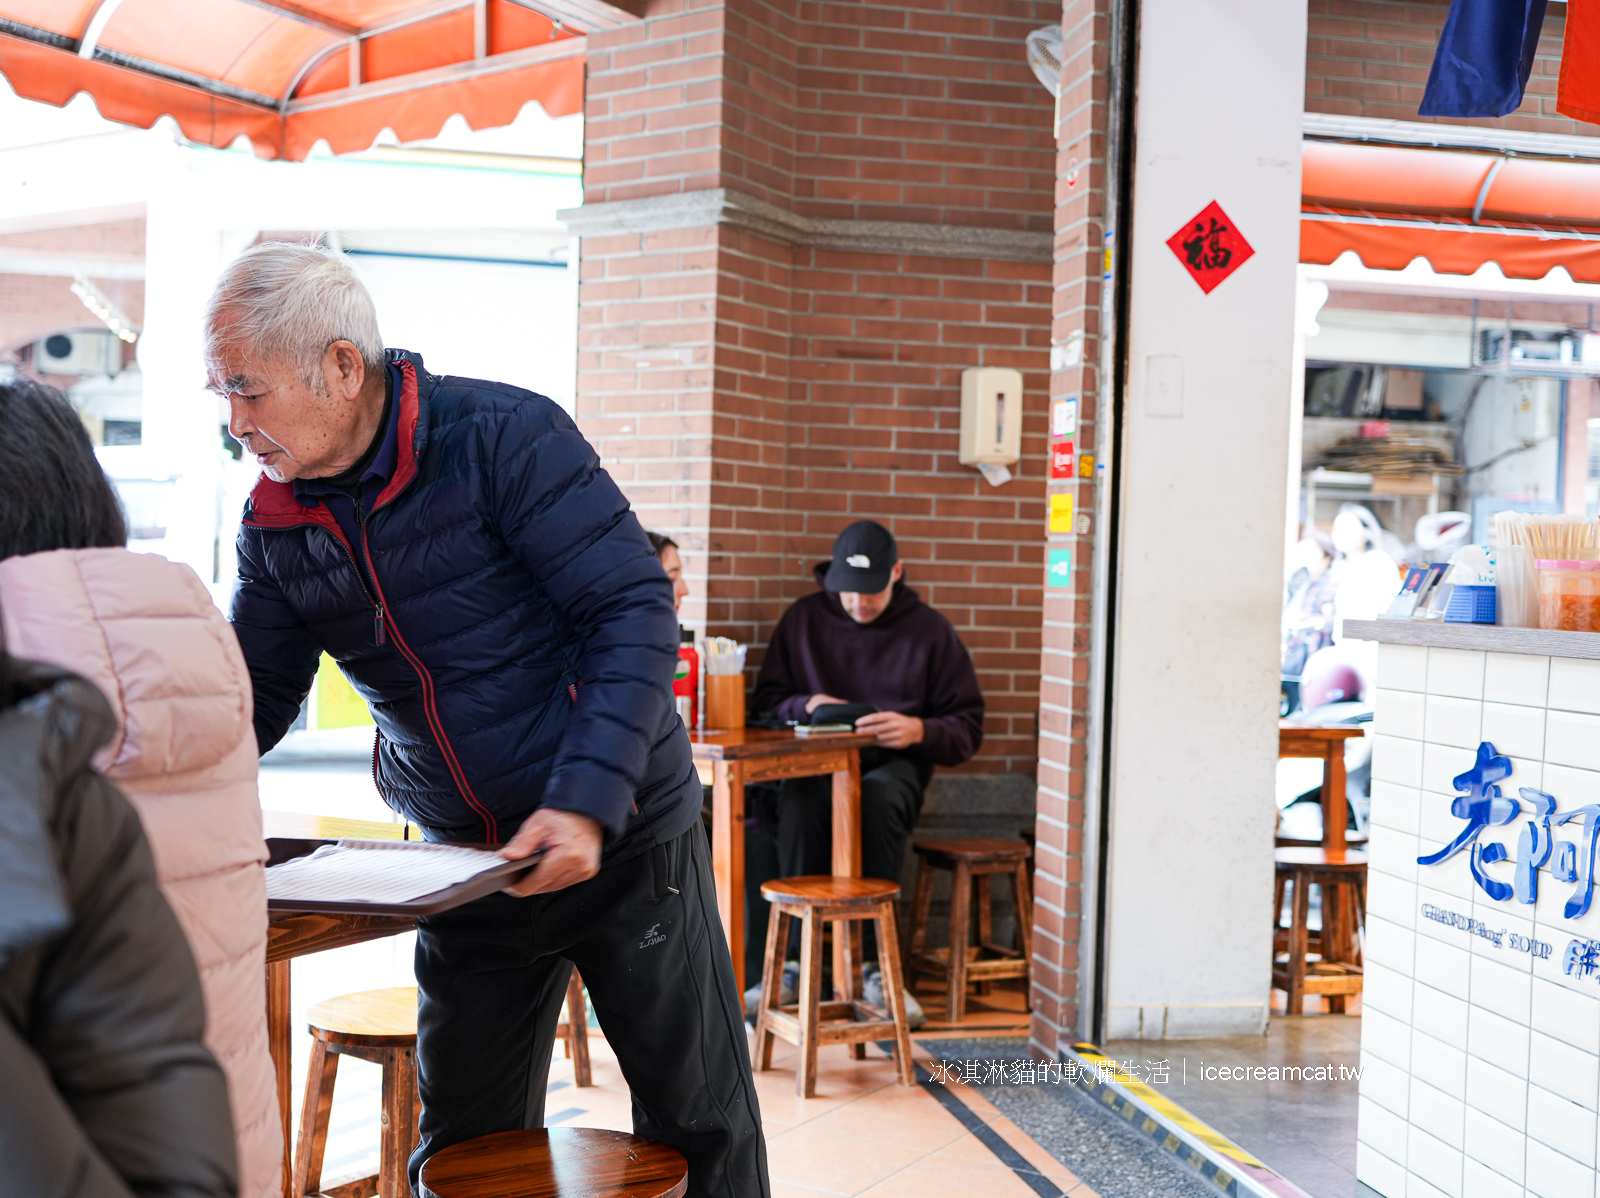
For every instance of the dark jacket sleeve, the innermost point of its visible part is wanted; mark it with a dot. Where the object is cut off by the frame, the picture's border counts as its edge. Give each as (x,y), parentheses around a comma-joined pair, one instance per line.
(278,647)
(106,1078)
(779,689)
(45,1150)
(953,724)
(572,529)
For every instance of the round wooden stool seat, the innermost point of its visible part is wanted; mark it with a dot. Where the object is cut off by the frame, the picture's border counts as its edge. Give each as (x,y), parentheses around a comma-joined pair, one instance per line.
(556,1162)
(973,849)
(1319,861)
(368,1019)
(829,891)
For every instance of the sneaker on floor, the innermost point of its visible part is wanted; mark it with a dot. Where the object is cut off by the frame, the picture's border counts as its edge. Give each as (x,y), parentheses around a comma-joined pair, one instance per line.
(788,993)
(872,993)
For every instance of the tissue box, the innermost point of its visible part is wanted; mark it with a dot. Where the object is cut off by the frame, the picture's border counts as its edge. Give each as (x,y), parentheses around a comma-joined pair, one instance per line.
(1471,605)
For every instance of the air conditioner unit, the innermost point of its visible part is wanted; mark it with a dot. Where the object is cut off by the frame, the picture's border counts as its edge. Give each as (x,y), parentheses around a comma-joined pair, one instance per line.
(83,353)
(1558,352)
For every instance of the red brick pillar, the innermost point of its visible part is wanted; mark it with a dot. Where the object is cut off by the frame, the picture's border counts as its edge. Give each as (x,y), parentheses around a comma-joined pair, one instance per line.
(1078,319)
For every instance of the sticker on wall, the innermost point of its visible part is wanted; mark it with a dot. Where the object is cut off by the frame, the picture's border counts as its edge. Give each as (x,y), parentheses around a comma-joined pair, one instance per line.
(1086,465)
(1069,353)
(1059,571)
(1061,512)
(1210,247)
(1064,417)
(1061,459)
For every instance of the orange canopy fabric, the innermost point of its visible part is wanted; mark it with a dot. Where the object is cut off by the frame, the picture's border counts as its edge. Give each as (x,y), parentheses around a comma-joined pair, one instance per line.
(1392,205)
(286,73)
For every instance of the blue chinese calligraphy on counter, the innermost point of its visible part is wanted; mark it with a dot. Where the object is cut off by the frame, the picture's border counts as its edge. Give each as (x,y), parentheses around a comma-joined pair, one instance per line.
(1482,805)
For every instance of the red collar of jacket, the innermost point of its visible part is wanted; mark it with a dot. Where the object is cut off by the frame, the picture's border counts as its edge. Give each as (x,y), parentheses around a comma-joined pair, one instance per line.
(273,504)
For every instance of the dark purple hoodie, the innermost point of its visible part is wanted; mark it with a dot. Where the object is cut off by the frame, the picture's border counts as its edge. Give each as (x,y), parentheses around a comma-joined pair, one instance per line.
(908,660)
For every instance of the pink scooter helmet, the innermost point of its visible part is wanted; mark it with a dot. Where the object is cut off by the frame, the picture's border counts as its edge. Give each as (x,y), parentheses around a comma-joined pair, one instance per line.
(1328,678)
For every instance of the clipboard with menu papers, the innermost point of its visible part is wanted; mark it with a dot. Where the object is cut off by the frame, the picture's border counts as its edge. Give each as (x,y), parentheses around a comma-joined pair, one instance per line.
(386,877)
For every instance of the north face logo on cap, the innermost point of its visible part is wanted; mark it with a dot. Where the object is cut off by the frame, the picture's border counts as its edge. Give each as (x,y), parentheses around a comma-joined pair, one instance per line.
(859,560)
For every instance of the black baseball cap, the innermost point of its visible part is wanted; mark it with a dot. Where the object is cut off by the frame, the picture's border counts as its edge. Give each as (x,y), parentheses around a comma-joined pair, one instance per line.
(863,558)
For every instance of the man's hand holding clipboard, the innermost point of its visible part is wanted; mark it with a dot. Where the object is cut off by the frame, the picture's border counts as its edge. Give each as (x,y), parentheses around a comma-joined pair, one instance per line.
(567,845)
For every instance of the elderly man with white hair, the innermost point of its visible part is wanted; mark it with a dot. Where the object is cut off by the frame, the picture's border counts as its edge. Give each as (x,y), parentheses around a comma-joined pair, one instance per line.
(456,548)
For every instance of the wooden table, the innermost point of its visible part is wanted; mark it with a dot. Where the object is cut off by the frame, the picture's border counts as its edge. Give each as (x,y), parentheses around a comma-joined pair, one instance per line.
(767,755)
(1326,743)
(294,935)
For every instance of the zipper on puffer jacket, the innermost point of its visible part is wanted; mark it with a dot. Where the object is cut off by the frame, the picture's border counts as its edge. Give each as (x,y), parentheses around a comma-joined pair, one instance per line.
(429,706)
(384,630)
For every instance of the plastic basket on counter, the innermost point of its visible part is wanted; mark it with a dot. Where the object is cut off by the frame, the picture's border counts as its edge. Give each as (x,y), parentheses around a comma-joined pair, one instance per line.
(1470,605)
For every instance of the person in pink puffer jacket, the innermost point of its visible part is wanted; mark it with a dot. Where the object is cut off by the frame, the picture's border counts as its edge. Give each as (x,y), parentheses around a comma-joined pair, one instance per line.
(145,631)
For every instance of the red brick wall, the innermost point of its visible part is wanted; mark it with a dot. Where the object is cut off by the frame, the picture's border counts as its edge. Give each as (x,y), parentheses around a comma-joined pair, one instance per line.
(921,111)
(836,384)
(1371,58)
(820,387)
(879,345)
(644,398)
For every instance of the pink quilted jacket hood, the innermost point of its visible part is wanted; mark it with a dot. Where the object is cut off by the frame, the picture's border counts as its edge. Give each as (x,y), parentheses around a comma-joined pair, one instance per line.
(144,630)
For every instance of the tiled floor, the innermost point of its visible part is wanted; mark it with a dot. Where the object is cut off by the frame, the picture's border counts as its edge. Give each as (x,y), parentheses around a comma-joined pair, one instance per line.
(863,1133)
(1306,1131)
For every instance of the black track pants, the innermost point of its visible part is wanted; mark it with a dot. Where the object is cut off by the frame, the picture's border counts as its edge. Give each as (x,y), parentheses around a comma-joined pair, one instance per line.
(891,800)
(646,937)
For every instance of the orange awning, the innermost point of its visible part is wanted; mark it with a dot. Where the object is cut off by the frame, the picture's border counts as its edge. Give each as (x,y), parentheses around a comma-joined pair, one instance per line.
(1392,205)
(286,73)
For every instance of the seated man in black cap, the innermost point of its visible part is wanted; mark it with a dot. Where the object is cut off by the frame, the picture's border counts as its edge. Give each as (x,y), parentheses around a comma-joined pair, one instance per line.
(867,639)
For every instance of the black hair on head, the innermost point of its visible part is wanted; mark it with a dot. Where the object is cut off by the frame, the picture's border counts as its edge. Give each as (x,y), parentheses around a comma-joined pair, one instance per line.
(53,494)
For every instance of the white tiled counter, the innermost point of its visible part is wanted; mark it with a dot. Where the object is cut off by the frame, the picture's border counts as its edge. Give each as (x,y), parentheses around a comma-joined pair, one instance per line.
(1481,1012)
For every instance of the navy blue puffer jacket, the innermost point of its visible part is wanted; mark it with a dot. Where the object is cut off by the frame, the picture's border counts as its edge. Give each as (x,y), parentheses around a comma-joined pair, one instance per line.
(516,640)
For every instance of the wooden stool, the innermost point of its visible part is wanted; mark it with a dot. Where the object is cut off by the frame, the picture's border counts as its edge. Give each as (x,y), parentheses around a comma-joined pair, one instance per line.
(556,1162)
(1342,875)
(373,1025)
(812,1022)
(970,860)
(574,1032)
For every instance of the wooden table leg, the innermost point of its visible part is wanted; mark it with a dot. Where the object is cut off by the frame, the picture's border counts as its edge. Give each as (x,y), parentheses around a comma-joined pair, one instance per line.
(1295,991)
(847,864)
(727,856)
(1334,802)
(281,1050)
